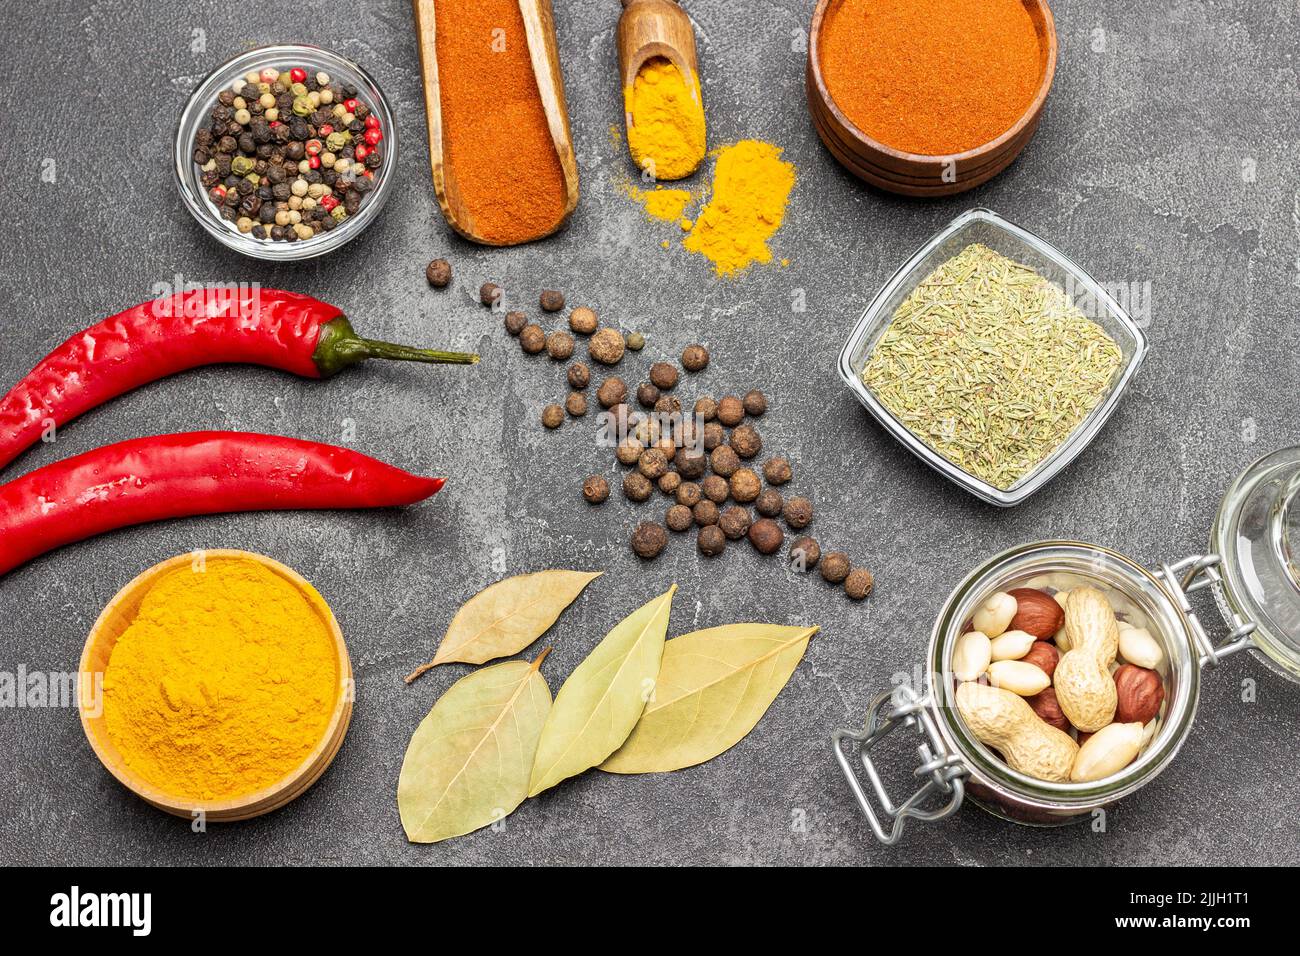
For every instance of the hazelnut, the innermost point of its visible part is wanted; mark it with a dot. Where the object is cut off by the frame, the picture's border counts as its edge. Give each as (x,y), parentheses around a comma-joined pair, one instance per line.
(690,463)
(858,584)
(515,322)
(705,513)
(636,486)
(595,489)
(532,339)
(579,375)
(804,554)
(647,395)
(669,482)
(689,494)
(1044,656)
(649,539)
(679,518)
(583,320)
(715,488)
(695,358)
(629,451)
(490,293)
(835,567)
(576,404)
(769,503)
(1139,694)
(745,440)
(706,408)
(553,416)
(745,485)
(652,463)
(612,391)
(766,536)
(798,512)
(755,403)
(551,301)
(730,411)
(711,541)
(734,522)
(606,347)
(559,345)
(724,461)
(438,273)
(1045,705)
(777,471)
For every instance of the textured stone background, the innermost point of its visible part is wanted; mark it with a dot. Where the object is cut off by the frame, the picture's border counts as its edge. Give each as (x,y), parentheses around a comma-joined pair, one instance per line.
(1166,156)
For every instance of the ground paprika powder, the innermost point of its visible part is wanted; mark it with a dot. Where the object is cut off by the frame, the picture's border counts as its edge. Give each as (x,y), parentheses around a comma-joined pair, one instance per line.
(495,134)
(931,76)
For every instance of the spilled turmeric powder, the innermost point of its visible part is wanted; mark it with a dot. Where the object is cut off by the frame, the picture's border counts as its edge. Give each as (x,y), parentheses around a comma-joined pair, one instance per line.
(751,186)
(224,681)
(665,130)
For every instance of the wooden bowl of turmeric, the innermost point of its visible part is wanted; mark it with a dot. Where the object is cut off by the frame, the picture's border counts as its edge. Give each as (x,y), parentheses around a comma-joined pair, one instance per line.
(216,685)
(929,97)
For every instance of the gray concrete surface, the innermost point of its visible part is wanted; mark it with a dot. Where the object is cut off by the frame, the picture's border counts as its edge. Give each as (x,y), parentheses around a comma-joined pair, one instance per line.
(1166,156)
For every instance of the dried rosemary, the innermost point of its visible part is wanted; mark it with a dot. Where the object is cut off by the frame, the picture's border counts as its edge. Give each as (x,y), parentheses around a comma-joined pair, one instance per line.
(991,365)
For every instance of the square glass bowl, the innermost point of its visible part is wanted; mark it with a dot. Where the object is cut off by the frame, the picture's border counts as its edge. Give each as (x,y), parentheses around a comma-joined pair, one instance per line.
(990,229)
(196,112)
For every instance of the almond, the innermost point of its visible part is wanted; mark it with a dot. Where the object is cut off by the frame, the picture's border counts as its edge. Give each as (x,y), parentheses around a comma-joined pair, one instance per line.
(1139,693)
(1037,613)
(1043,655)
(1048,710)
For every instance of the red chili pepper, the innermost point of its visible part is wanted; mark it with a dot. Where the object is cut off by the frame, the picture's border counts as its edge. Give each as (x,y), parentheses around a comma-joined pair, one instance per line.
(198,473)
(283,330)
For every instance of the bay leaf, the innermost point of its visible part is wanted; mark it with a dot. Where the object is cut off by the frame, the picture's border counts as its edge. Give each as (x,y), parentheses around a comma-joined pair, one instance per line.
(469,762)
(600,703)
(506,617)
(713,688)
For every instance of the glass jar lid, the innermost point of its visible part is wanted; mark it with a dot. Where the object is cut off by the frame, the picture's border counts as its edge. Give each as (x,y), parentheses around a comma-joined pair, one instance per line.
(1257,533)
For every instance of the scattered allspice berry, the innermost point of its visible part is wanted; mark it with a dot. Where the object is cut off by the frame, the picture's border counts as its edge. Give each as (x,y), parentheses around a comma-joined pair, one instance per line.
(583,320)
(766,536)
(798,512)
(647,394)
(835,567)
(652,464)
(490,293)
(515,322)
(666,445)
(606,347)
(730,411)
(745,486)
(612,391)
(551,300)
(711,541)
(635,341)
(695,358)
(734,522)
(669,482)
(532,339)
(777,471)
(745,440)
(714,436)
(769,503)
(579,375)
(755,403)
(705,513)
(691,463)
(629,450)
(668,405)
(689,494)
(716,489)
(576,404)
(706,409)
(553,416)
(858,584)
(663,375)
(649,539)
(559,345)
(724,461)
(636,486)
(679,518)
(438,273)
(804,554)
(595,489)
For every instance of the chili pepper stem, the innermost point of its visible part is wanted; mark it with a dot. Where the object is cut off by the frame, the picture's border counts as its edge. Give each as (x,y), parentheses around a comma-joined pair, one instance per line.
(405,353)
(340,347)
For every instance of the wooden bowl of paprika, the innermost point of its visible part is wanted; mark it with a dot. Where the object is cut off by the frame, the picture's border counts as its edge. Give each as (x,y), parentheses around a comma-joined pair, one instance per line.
(929,97)
(295,747)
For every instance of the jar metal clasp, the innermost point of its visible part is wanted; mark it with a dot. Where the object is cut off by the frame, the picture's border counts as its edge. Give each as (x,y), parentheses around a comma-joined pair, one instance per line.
(944,772)
(1191,574)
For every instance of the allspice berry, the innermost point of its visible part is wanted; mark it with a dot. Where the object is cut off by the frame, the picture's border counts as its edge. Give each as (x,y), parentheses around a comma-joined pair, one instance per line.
(553,416)
(798,512)
(804,554)
(612,391)
(835,567)
(724,461)
(647,394)
(769,503)
(716,489)
(636,486)
(689,494)
(515,322)
(666,445)
(714,435)
(579,375)
(734,522)
(858,584)
(551,300)
(649,539)
(606,347)
(629,451)
(669,482)
(745,440)
(679,518)
(532,339)
(559,345)
(777,470)
(490,293)
(730,411)
(706,408)
(595,489)
(652,463)
(755,403)
(766,536)
(705,513)
(695,358)
(691,463)
(711,541)
(635,341)
(745,486)
(663,375)
(669,405)
(583,320)
(576,404)
(438,273)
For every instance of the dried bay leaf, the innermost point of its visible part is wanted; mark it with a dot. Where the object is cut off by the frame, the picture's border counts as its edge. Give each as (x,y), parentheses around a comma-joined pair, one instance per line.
(469,762)
(603,698)
(713,688)
(506,617)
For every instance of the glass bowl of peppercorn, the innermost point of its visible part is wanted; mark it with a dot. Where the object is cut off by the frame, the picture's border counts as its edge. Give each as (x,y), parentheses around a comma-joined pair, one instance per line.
(286,152)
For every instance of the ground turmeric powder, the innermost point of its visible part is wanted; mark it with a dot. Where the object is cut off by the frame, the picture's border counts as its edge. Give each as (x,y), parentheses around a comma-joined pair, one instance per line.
(665,130)
(224,681)
(751,186)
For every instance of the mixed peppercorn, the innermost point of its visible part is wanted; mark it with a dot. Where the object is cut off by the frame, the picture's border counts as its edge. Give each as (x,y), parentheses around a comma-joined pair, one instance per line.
(289,154)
